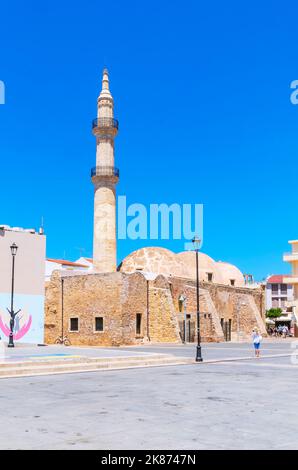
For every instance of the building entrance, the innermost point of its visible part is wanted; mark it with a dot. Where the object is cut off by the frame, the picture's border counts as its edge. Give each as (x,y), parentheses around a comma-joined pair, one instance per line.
(187,329)
(226,328)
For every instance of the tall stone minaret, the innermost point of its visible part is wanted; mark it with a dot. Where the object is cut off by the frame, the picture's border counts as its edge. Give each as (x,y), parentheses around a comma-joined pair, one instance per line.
(105,177)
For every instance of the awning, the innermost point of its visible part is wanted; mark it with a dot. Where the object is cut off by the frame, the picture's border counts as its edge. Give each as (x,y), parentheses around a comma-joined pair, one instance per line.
(270,322)
(283,318)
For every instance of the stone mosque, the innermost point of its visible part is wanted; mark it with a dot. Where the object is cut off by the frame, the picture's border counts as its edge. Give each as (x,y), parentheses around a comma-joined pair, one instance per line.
(151,296)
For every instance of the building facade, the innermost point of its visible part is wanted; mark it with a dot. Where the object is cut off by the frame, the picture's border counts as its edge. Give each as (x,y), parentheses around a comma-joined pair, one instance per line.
(292,258)
(29,285)
(65,265)
(114,309)
(278,292)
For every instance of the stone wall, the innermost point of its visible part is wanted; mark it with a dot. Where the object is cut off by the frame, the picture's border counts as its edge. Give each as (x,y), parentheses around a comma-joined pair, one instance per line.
(119,297)
(116,297)
(84,297)
(164,327)
(244,307)
(133,300)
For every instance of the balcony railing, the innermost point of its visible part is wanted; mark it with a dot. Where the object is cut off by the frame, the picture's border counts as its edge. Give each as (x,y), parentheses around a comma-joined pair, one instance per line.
(289,257)
(105,123)
(105,171)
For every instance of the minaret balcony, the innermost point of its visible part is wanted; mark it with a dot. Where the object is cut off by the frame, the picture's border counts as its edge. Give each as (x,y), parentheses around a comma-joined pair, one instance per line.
(105,172)
(105,125)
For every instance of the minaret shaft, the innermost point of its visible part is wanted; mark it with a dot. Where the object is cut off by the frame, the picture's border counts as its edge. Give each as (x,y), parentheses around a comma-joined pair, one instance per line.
(105,153)
(105,177)
(104,241)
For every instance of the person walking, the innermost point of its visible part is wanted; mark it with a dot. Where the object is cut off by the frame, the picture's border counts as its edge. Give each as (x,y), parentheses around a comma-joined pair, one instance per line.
(256,338)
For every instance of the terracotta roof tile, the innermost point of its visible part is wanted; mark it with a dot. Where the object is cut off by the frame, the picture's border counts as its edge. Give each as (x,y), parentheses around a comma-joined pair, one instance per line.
(277,278)
(65,262)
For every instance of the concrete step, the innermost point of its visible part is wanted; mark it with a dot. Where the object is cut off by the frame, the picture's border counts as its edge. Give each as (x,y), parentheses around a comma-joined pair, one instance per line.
(92,364)
(76,360)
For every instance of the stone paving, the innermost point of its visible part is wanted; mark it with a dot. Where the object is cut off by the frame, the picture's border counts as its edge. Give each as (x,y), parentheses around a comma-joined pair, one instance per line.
(245,404)
(210,351)
(28,352)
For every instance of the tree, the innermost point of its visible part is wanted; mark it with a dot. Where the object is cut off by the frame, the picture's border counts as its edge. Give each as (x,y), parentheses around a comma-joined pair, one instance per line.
(273,312)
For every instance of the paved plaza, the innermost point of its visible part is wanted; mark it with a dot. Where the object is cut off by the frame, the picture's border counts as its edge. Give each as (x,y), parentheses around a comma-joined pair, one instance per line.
(239,403)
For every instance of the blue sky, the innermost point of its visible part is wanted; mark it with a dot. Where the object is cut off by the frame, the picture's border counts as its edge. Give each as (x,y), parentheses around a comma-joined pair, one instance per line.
(202,93)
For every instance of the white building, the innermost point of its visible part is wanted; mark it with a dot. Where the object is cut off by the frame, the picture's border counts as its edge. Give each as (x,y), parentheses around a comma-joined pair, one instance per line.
(278,292)
(82,264)
(29,272)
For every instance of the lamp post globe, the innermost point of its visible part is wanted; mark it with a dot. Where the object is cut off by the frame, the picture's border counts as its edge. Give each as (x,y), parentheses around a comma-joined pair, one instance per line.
(196,243)
(13,249)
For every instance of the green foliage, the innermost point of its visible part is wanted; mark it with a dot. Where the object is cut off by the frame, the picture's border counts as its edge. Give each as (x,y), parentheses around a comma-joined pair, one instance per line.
(273,313)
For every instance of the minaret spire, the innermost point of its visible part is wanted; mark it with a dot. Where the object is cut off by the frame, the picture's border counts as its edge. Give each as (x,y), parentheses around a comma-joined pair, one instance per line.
(105,177)
(105,91)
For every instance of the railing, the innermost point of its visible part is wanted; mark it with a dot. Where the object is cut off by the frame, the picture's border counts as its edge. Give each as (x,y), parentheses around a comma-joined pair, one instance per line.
(105,171)
(105,122)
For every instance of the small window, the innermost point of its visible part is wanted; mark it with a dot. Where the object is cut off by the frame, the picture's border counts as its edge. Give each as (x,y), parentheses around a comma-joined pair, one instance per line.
(232,281)
(74,324)
(98,323)
(138,323)
(209,277)
(283,288)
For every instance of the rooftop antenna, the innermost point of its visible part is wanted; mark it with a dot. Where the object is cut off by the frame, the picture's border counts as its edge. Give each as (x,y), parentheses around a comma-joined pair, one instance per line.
(41,228)
(81,251)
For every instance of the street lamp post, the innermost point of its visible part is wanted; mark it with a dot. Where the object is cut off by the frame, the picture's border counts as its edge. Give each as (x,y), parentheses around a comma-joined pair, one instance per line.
(196,242)
(12,313)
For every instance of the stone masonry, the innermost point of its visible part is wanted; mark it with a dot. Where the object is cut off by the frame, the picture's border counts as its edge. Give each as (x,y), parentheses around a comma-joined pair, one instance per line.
(118,298)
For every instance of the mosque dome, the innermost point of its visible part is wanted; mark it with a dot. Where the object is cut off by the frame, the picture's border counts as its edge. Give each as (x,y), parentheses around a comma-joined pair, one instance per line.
(230,274)
(151,259)
(159,260)
(207,266)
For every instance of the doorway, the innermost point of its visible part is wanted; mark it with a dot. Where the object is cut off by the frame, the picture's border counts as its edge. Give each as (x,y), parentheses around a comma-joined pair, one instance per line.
(187,329)
(226,328)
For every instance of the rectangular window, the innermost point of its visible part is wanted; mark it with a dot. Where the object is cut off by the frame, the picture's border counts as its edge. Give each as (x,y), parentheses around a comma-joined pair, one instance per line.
(232,281)
(74,324)
(138,323)
(274,287)
(209,277)
(98,323)
(283,289)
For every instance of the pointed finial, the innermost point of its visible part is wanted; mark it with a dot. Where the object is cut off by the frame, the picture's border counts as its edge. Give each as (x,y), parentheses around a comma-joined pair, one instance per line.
(105,79)
(105,91)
